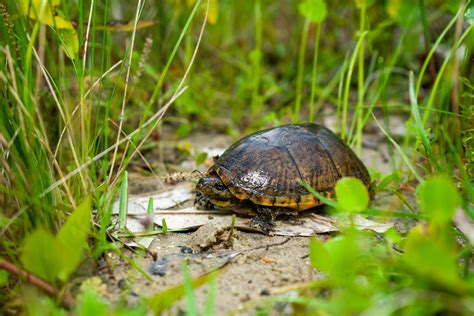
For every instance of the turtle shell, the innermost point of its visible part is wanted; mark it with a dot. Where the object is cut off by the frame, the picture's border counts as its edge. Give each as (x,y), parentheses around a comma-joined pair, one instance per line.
(265,166)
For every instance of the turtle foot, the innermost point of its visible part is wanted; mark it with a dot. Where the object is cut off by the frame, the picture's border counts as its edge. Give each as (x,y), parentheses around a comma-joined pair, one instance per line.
(265,219)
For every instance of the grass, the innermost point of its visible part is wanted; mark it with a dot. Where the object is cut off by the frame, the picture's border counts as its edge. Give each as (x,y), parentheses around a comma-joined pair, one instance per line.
(81,99)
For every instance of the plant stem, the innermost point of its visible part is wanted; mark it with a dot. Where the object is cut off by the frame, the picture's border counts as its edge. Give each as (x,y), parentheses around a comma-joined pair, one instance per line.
(300,71)
(360,93)
(313,76)
(49,289)
(256,60)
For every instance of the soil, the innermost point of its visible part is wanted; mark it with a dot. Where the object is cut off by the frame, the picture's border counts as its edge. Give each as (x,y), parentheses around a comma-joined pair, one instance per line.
(254,265)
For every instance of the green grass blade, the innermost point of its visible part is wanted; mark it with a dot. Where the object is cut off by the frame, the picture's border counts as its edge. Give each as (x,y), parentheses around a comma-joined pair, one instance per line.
(191,306)
(400,150)
(123,203)
(416,115)
(149,211)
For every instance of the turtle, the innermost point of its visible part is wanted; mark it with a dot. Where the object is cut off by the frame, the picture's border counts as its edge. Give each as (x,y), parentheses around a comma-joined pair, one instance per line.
(259,174)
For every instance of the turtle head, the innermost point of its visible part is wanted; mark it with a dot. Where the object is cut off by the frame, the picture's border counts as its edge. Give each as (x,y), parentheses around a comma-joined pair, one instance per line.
(211,190)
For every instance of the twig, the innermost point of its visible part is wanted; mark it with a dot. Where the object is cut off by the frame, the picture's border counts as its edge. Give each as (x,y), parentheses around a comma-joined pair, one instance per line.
(66,299)
(464,224)
(235,253)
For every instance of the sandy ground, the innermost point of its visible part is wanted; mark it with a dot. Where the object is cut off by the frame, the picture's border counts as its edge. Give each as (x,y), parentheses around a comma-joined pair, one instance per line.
(254,265)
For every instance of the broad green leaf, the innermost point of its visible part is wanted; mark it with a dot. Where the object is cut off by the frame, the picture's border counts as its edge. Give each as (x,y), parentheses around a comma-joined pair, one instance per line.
(72,239)
(319,257)
(69,42)
(189,297)
(37,304)
(433,260)
(392,7)
(125,27)
(393,236)
(46,12)
(352,195)
(345,254)
(200,158)
(40,253)
(314,10)
(90,303)
(438,199)
(213,11)
(42,10)
(406,12)
(167,297)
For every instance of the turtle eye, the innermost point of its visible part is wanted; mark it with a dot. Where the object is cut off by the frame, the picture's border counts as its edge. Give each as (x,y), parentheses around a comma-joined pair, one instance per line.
(220,186)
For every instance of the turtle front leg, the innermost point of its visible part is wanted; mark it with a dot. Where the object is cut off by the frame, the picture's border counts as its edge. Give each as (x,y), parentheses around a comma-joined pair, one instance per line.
(202,202)
(264,219)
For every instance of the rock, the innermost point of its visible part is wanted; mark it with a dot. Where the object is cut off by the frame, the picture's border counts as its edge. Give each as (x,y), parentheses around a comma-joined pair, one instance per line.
(207,236)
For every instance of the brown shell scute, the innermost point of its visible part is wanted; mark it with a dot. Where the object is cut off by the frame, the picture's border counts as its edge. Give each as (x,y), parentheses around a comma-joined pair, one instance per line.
(265,166)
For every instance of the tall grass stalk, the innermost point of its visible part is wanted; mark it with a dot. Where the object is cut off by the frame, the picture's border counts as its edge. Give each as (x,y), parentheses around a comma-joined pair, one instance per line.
(156,91)
(127,78)
(256,58)
(123,204)
(340,93)
(410,166)
(433,49)
(345,104)
(360,81)
(300,71)
(191,305)
(178,91)
(436,86)
(420,128)
(314,72)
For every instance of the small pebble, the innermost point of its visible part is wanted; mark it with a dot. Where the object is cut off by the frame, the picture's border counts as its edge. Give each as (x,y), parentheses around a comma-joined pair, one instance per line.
(265,292)
(159,267)
(185,249)
(121,283)
(267,260)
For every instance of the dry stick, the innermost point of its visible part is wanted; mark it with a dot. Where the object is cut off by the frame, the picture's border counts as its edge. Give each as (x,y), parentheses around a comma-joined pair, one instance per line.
(67,300)
(87,35)
(464,224)
(105,152)
(188,69)
(127,77)
(234,254)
